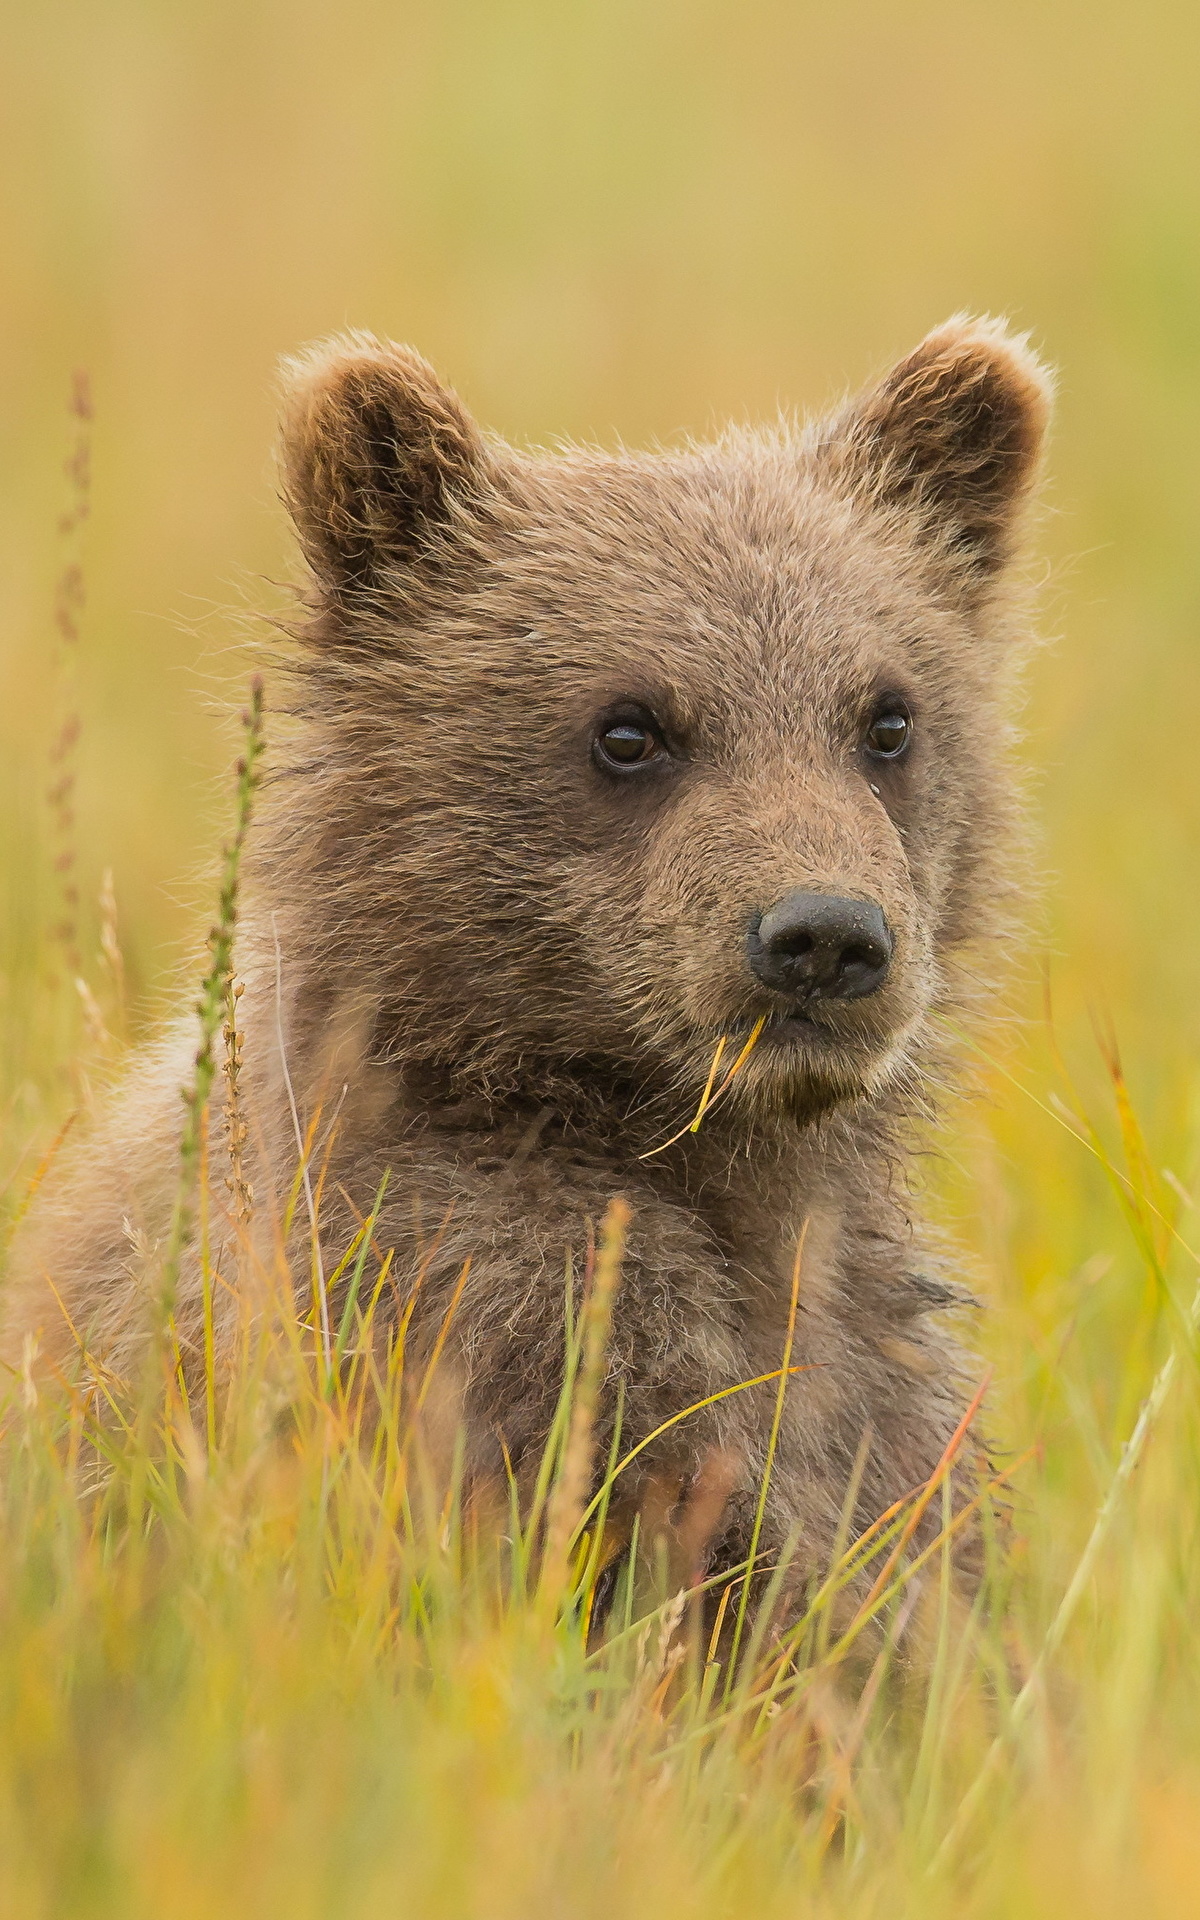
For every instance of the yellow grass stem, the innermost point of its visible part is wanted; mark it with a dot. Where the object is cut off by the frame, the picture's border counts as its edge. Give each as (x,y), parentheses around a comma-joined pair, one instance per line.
(785,1374)
(206,1287)
(708,1084)
(708,1099)
(665,1426)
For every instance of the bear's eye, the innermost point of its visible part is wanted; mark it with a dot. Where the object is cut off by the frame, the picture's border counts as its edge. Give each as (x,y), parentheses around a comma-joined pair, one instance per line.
(890,731)
(627,741)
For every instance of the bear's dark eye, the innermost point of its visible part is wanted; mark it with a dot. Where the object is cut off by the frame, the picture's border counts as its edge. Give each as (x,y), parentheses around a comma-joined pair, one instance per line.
(890,731)
(627,742)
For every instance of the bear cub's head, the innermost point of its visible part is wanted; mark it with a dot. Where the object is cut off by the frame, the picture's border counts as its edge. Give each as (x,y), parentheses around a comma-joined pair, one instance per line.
(611,755)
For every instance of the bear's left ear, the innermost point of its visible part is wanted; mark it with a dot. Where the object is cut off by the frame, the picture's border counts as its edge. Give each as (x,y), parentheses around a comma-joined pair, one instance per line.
(955,432)
(375,452)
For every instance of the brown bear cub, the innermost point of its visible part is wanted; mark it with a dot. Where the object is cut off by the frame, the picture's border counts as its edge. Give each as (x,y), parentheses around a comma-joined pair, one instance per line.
(595,759)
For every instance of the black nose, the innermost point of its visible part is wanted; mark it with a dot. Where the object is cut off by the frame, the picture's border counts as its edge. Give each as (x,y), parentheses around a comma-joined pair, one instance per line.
(821,946)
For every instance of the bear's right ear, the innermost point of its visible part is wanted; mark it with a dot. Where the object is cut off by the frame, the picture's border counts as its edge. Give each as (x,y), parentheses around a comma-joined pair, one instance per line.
(375,452)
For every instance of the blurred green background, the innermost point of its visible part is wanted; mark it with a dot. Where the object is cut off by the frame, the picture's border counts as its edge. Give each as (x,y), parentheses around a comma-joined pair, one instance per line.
(598,220)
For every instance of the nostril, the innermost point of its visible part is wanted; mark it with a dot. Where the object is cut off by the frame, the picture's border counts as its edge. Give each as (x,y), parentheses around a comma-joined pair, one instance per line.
(795,947)
(859,969)
(857,954)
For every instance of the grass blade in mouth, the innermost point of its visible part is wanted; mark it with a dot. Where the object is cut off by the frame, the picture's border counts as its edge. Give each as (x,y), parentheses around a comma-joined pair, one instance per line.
(709,1099)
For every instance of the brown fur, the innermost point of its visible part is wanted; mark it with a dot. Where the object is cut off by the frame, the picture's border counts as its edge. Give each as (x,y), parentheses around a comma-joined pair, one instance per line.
(517,969)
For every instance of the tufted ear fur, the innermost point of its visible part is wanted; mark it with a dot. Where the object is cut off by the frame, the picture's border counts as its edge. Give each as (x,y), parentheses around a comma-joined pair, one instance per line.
(954,431)
(375,451)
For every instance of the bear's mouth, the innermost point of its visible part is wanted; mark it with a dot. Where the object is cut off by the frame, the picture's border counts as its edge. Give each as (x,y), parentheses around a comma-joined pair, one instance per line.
(786,1028)
(801,1031)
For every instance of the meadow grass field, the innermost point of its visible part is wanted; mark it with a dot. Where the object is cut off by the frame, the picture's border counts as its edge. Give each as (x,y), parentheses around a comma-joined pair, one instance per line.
(249,1663)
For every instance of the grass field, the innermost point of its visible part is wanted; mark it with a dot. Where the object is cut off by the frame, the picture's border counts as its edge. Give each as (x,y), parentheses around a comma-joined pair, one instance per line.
(264,1679)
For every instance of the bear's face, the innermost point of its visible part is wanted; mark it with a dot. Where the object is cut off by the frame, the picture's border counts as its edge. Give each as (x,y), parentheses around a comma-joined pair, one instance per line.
(635,753)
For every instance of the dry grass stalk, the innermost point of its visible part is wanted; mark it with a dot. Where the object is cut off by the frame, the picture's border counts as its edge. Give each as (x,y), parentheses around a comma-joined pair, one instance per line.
(571,1491)
(93,1017)
(110,953)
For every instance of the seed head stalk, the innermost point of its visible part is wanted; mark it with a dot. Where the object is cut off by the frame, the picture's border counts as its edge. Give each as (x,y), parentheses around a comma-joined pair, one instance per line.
(216,996)
(68,614)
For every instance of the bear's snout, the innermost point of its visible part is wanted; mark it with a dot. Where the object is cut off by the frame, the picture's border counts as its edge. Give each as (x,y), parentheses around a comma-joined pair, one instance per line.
(821,946)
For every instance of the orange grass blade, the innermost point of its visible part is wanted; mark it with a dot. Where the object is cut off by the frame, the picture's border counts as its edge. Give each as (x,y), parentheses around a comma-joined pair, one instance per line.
(931,1486)
(780,1686)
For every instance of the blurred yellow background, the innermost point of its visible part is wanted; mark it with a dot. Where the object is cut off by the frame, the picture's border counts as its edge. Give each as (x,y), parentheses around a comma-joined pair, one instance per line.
(598,220)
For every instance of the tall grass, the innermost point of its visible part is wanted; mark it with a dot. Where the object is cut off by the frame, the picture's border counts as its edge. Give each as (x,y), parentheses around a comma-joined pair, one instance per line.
(266,1646)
